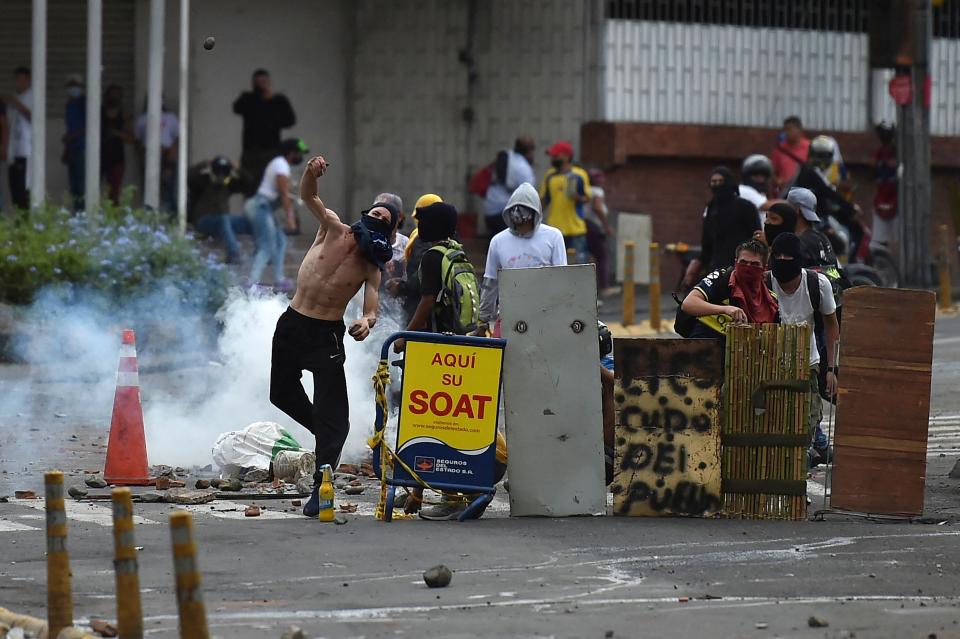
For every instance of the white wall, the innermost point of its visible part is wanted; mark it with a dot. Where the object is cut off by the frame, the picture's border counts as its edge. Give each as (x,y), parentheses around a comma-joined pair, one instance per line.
(303,45)
(712,74)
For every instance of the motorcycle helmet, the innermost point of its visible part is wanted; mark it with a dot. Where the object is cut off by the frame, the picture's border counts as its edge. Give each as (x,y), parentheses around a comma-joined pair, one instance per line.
(757,164)
(606,339)
(822,150)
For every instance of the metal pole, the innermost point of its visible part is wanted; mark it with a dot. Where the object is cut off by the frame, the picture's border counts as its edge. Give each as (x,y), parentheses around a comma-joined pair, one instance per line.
(37,163)
(946,293)
(915,153)
(94,71)
(59,597)
(193,615)
(151,184)
(629,290)
(129,610)
(655,286)
(184,95)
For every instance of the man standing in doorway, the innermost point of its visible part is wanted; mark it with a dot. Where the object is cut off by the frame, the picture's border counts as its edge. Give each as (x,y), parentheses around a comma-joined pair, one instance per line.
(564,193)
(309,334)
(74,139)
(19,109)
(265,114)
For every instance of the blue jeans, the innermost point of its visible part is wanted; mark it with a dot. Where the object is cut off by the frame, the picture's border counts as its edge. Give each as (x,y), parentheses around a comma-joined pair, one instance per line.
(76,171)
(579,245)
(270,240)
(225,227)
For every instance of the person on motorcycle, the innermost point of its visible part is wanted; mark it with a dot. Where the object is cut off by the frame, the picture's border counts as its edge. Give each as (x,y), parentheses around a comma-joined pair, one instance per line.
(885,177)
(815,176)
(756,173)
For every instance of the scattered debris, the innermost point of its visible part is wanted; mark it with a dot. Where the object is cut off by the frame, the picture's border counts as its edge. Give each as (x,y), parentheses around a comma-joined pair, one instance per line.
(202,484)
(186,497)
(348,508)
(4,500)
(348,469)
(252,511)
(438,577)
(761,626)
(684,599)
(163,483)
(95,482)
(231,485)
(103,628)
(61,416)
(77,492)
(609,634)
(162,470)
(215,483)
(24,494)
(817,622)
(293,632)
(340,521)
(354,490)
(151,497)
(256,476)
(304,485)
(296,503)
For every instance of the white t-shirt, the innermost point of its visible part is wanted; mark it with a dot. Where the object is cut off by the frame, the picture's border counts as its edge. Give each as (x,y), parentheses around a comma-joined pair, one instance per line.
(519,172)
(21,129)
(169,129)
(756,198)
(797,309)
(544,248)
(268,186)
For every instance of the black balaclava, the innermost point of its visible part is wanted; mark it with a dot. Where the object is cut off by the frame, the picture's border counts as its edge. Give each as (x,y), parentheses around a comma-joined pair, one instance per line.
(727,191)
(437,222)
(786,270)
(373,234)
(789,225)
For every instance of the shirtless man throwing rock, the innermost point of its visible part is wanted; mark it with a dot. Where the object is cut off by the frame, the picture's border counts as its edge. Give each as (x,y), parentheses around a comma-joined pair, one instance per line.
(309,334)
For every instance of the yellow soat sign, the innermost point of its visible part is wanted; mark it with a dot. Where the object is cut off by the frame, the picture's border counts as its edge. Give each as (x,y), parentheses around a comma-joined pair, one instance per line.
(448,415)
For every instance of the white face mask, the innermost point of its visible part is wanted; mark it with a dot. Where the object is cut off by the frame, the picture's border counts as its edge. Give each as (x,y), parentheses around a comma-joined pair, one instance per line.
(74,91)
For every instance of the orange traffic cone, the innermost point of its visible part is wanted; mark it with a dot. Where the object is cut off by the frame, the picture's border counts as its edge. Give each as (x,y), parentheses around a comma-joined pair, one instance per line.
(127,449)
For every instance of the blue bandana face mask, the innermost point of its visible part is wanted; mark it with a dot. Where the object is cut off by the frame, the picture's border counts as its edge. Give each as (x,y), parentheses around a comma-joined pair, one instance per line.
(373,239)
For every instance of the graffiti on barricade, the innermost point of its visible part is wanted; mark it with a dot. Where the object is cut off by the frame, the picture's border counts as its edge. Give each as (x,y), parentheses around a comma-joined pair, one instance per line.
(667,458)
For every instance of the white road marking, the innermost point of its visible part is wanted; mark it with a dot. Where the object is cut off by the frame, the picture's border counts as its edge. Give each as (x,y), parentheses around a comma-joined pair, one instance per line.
(87,512)
(12,526)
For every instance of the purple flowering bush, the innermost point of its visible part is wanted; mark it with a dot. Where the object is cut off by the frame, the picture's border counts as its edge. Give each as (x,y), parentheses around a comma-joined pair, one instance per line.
(119,254)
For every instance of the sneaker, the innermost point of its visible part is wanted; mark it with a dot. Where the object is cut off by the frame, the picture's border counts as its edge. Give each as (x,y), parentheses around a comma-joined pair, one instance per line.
(312,507)
(447,511)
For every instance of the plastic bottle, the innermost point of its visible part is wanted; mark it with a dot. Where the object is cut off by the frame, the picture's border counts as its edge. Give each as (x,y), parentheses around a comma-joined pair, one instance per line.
(327,512)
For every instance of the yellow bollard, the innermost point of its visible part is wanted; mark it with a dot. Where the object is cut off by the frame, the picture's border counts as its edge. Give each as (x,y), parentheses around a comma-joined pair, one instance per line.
(946,294)
(193,616)
(129,611)
(629,287)
(59,600)
(655,286)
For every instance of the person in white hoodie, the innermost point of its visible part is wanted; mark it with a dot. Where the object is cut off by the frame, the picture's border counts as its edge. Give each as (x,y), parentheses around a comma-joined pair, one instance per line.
(526,243)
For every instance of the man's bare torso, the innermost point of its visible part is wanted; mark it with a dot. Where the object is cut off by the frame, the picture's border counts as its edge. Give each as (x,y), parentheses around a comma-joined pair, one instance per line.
(331,274)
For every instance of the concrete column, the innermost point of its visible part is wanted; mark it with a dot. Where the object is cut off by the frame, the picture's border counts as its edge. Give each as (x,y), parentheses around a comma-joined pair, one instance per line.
(151,187)
(182,157)
(94,91)
(38,110)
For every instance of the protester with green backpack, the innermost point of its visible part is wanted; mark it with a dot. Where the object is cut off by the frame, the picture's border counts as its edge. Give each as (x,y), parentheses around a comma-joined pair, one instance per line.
(450,292)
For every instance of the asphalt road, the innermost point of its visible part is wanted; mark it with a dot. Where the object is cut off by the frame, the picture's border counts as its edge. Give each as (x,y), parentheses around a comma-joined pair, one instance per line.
(581,577)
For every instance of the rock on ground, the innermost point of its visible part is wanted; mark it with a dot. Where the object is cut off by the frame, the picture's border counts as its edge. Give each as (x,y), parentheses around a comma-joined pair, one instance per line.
(817,622)
(95,482)
(438,577)
(77,492)
(187,497)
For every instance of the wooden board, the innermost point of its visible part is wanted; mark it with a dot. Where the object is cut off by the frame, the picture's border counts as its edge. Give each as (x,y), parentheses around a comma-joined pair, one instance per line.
(886,358)
(765,454)
(551,390)
(667,447)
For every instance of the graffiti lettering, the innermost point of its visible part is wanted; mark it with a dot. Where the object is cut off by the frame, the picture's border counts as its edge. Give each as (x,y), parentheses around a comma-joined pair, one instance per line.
(686,498)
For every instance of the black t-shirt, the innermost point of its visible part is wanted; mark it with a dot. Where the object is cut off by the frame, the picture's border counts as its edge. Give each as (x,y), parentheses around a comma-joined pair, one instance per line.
(817,249)
(725,227)
(264,119)
(716,288)
(431,277)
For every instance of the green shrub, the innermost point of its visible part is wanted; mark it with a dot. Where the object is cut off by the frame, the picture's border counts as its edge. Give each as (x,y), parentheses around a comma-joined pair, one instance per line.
(117,255)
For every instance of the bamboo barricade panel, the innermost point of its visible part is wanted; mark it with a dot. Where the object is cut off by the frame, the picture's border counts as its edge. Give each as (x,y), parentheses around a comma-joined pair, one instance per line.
(765,435)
